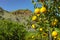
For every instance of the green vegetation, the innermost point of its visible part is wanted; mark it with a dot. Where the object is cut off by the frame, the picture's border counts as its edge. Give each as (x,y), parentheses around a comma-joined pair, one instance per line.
(42,24)
(16,31)
(11,30)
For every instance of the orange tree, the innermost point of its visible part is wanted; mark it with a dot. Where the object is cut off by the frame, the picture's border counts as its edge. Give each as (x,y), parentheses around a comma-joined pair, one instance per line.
(45,19)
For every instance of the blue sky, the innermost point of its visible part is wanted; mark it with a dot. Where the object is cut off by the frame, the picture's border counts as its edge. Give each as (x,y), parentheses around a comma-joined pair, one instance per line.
(11,5)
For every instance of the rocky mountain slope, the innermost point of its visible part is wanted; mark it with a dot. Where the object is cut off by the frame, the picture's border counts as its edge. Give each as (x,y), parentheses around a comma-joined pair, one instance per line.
(19,15)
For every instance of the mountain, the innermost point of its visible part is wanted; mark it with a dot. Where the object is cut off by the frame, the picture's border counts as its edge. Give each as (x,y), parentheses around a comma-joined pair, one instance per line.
(19,15)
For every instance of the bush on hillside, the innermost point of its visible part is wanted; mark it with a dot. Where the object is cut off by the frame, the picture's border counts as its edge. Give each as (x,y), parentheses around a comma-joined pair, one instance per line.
(11,30)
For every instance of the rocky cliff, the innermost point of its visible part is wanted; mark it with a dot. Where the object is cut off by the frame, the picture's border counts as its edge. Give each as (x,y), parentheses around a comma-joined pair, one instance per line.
(19,15)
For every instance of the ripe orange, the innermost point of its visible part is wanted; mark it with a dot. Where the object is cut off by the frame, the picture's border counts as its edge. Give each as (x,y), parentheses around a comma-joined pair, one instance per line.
(54,33)
(37,11)
(41,29)
(43,9)
(34,18)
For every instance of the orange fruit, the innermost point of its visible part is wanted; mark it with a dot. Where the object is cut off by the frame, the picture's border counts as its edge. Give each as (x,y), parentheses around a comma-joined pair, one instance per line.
(33,26)
(32,36)
(55,37)
(34,18)
(38,15)
(41,29)
(43,9)
(54,23)
(54,33)
(56,20)
(37,11)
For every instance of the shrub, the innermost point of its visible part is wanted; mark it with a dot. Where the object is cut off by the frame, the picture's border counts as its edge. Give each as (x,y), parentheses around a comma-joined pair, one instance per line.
(11,30)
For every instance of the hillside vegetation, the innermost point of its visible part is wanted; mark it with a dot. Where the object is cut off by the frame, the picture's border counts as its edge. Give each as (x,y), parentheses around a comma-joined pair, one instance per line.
(16,25)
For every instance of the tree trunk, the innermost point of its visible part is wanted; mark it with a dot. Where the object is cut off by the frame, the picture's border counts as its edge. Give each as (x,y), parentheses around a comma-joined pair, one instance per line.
(49,34)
